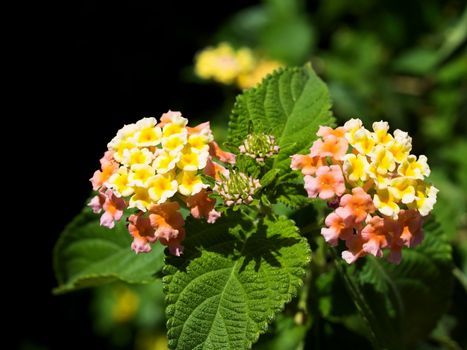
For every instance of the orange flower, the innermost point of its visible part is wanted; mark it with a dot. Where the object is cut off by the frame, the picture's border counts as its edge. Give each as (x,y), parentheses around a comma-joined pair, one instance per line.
(325,131)
(202,206)
(215,151)
(374,234)
(306,163)
(108,168)
(168,224)
(354,249)
(328,182)
(337,228)
(332,146)
(411,222)
(356,205)
(215,170)
(143,234)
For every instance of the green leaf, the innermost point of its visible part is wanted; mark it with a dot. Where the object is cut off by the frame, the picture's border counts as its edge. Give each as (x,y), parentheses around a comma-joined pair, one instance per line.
(404,302)
(232,279)
(290,104)
(269,177)
(88,254)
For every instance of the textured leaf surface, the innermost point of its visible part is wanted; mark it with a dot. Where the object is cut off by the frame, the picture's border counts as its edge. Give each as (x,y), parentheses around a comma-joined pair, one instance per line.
(408,299)
(88,254)
(232,279)
(290,104)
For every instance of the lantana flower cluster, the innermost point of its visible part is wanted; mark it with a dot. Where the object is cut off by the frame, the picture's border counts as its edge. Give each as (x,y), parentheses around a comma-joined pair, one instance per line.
(153,167)
(228,65)
(378,190)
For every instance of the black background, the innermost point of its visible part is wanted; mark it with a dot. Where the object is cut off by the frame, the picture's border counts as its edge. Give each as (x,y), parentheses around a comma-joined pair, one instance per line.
(100,65)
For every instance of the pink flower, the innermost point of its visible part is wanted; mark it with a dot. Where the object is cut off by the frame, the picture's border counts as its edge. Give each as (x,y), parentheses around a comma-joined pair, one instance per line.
(97,202)
(328,182)
(411,222)
(356,205)
(113,209)
(306,163)
(202,206)
(143,234)
(168,223)
(325,131)
(332,146)
(214,169)
(374,234)
(215,151)
(108,168)
(354,249)
(337,228)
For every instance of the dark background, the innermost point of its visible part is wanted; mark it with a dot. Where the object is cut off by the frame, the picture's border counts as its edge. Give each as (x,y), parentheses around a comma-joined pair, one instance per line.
(104,64)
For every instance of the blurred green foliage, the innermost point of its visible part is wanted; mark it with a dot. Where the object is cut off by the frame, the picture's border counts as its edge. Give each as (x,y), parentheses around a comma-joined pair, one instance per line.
(400,61)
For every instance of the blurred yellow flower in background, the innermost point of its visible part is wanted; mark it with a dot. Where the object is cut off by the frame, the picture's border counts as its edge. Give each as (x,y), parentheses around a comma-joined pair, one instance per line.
(227,65)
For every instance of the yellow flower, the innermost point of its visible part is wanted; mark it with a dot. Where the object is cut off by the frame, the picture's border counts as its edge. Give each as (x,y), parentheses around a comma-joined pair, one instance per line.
(363,141)
(381,132)
(413,168)
(137,156)
(199,143)
(223,63)
(140,199)
(385,202)
(162,187)
(382,160)
(176,126)
(425,198)
(259,72)
(147,134)
(165,162)
(123,134)
(118,182)
(355,167)
(403,189)
(400,146)
(139,175)
(126,305)
(174,144)
(191,160)
(121,147)
(381,181)
(351,127)
(190,183)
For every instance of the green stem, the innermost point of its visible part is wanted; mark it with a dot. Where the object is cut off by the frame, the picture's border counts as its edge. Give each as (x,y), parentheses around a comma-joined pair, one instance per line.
(375,335)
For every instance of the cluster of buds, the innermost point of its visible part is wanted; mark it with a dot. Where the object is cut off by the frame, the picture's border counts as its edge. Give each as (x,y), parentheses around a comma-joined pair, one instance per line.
(236,187)
(377,188)
(228,65)
(259,147)
(152,168)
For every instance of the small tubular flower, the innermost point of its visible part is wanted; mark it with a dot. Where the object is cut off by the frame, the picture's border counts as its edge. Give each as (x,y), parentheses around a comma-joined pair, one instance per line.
(113,209)
(332,146)
(337,227)
(384,196)
(202,206)
(306,163)
(355,167)
(327,183)
(356,206)
(146,166)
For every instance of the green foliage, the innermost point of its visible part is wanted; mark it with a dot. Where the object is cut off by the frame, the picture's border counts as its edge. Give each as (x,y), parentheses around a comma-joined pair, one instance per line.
(289,104)
(402,303)
(231,281)
(88,254)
